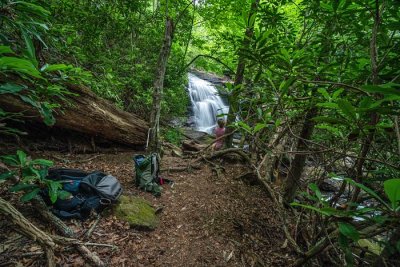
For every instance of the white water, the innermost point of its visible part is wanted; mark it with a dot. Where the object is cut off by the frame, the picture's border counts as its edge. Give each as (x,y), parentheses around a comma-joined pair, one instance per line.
(206,102)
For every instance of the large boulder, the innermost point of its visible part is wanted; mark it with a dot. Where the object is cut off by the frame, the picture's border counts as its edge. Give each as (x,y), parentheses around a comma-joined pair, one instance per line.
(137,212)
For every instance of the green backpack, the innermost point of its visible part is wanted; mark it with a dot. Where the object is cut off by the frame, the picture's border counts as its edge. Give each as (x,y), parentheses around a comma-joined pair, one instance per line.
(147,169)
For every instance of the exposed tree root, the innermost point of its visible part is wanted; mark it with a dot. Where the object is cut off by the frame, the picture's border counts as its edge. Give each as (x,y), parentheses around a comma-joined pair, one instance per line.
(47,242)
(188,168)
(275,198)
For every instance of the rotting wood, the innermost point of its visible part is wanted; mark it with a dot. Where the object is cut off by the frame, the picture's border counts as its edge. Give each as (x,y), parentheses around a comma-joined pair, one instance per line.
(89,114)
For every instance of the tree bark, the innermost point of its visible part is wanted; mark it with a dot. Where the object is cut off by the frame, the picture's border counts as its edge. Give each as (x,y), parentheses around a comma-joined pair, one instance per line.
(154,142)
(239,76)
(297,165)
(87,113)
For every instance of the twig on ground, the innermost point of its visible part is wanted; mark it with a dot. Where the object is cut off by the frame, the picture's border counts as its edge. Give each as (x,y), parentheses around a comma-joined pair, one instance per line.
(93,226)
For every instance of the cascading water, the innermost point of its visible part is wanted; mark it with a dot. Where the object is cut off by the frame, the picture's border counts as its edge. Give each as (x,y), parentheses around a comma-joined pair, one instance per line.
(206,102)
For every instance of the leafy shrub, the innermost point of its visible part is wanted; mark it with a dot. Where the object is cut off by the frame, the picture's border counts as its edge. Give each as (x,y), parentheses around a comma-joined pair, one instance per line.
(173,136)
(31,176)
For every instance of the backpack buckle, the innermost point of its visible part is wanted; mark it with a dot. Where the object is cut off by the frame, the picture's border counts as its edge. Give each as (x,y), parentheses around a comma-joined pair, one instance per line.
(105,201)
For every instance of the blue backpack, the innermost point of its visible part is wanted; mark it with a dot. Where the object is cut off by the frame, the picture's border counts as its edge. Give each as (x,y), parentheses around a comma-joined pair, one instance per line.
(89,191)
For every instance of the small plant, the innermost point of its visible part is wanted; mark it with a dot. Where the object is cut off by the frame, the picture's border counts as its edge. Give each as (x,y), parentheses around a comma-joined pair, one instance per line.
(31,177)
(173,136)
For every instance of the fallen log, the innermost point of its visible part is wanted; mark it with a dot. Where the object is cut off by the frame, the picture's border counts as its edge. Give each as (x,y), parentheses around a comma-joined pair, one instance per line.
(87,113)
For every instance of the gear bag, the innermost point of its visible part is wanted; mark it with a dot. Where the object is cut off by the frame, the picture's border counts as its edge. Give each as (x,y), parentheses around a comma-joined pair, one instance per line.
(89,191)
(147,170)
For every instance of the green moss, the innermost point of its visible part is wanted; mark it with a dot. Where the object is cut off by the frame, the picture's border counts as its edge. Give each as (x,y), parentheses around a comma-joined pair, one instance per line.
(137,212)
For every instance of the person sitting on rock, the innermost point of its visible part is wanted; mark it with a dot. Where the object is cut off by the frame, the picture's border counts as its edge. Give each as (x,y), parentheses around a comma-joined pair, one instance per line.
(219,132)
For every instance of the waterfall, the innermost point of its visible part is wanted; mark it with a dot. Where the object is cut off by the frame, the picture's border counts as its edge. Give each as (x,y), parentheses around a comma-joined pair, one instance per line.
(206,103)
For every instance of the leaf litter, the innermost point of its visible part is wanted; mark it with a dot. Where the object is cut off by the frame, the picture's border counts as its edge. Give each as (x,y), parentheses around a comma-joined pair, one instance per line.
(205,220)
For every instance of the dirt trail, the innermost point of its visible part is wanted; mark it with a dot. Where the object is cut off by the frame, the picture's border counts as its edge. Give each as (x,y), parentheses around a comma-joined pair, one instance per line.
(206,220)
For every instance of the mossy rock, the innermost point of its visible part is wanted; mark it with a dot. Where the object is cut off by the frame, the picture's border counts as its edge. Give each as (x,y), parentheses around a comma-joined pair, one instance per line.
(137,212)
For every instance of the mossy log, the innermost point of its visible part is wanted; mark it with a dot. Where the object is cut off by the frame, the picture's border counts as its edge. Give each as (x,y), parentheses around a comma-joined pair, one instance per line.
(86,113)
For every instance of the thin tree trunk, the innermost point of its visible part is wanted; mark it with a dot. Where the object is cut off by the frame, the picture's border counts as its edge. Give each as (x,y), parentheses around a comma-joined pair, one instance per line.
(297,166)
(189,39)
(239,76)
(154,142)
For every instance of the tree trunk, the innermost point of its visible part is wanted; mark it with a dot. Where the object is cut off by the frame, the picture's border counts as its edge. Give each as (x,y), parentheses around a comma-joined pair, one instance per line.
(158,85)
(297,165)
(239,76)
(89,114)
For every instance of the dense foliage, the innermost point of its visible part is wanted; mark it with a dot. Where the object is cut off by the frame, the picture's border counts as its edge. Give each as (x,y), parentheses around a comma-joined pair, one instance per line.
(316,94)
(322,81)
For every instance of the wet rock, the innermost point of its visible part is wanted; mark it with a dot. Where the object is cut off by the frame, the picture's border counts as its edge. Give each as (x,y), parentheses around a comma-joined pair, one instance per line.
(212,78)
(196,135)
(191,122)
(137,212)
(329,185)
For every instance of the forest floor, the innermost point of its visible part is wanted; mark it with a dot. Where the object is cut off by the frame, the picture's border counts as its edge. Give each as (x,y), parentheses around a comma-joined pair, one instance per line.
(207,220)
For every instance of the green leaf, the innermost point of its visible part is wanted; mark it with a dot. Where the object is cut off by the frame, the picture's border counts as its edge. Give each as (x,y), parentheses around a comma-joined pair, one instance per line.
(30,49)
(392,190)
(337,93)
(53,189)
(368,190)
(258,127)
(5,50)
(331,120)
(244,126)
(6,175)
(22,187)
(28,196)
(21,157)
(326,6)
(47,113)
(343,241)
(328,105)
(323,211)
(385,89)
(32,8)
(349,231)
(55,67)
(251,20)
(43,162)
(331,129)
(324,93)
(284,86)
(347,108)
(11,88)
(19,65)
(62,194)
(30,101)
(315,188)
(10,160)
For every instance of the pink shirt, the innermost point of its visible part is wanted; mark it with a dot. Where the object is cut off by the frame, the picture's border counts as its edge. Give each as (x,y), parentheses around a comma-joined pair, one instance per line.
(218,133)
